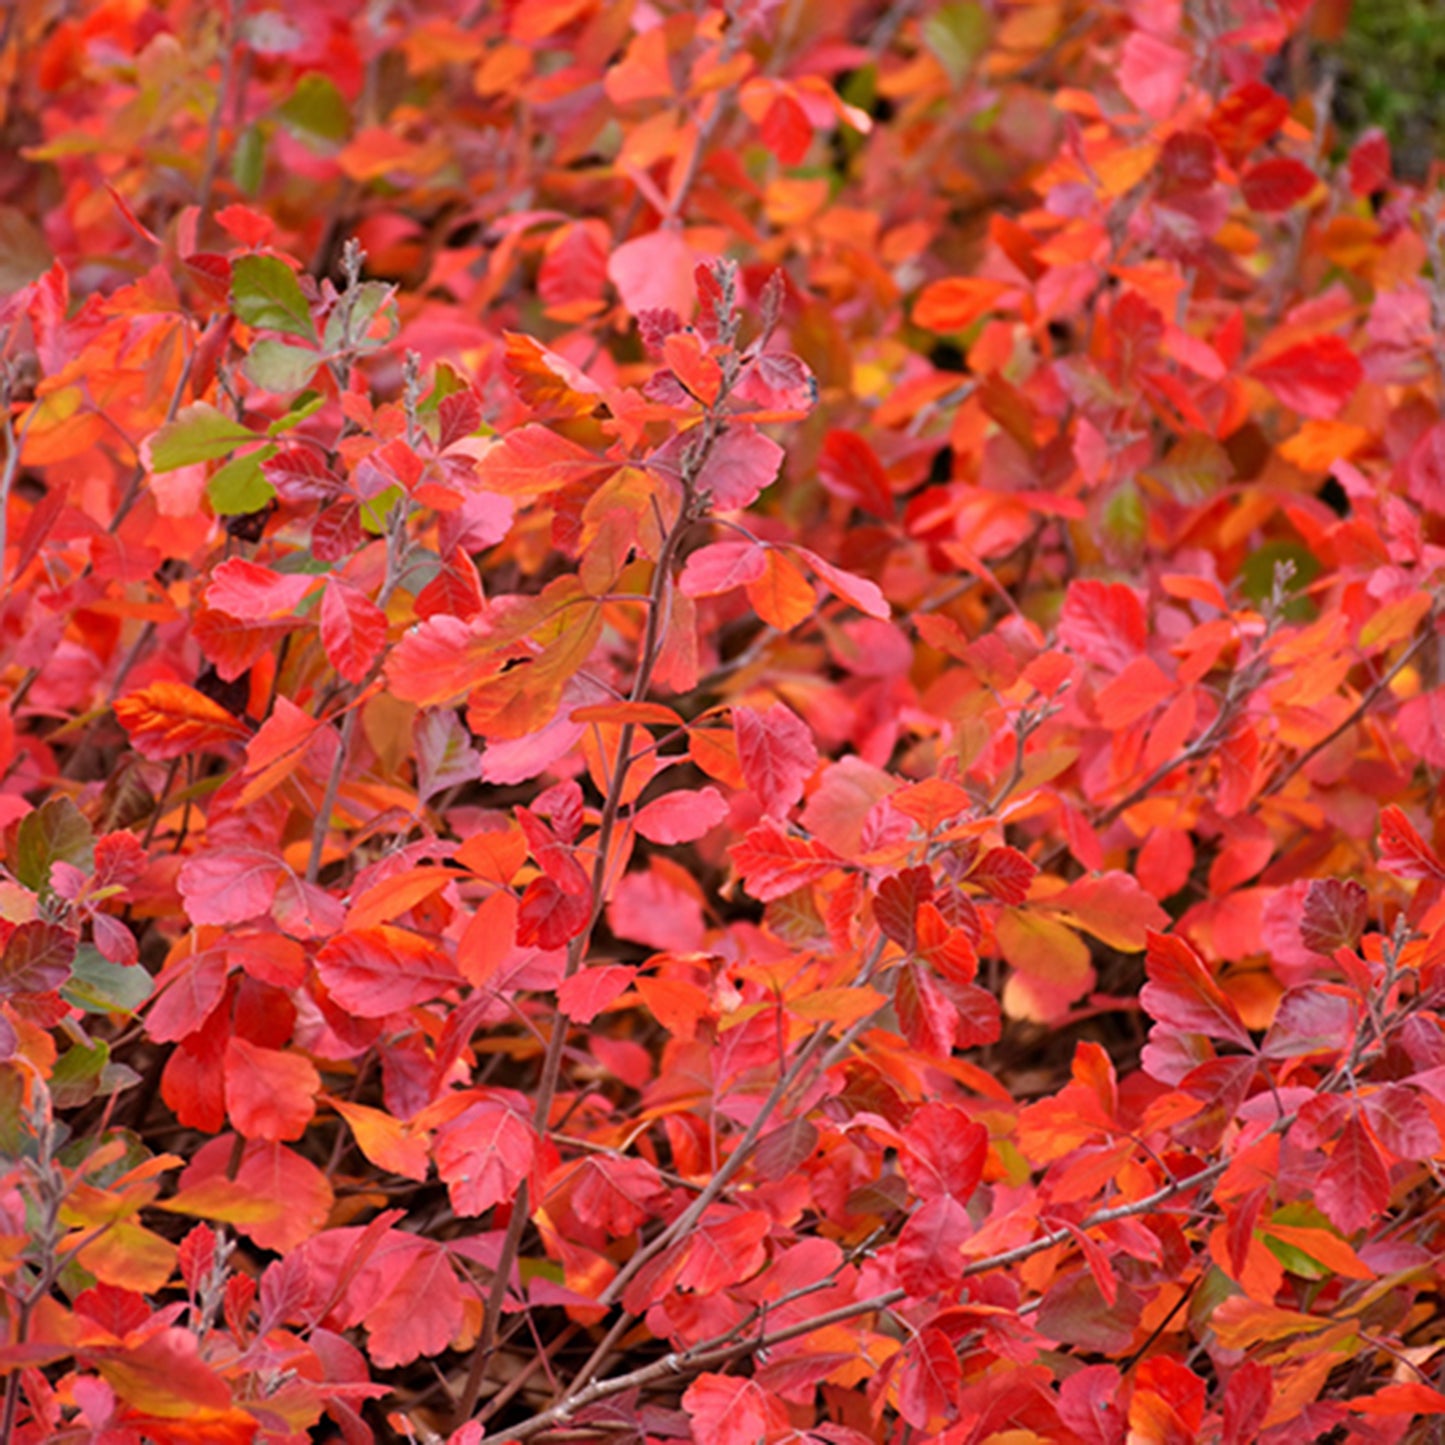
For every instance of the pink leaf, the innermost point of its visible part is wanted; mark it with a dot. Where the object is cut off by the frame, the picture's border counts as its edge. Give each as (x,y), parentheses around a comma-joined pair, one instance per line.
(722,566)
(1152,74)
(731,1410)
(1354,1187)
(741,463)
(231,885)
(777,755)
(583,996)
(866,596)
(682,816)
(654,273)
(253,593)
(483,1154)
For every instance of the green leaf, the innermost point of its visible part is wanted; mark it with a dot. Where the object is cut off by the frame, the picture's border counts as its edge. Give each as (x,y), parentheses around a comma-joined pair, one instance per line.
(1295,1260)
(1195,469)
(280,366)
(76,1075)
(101,987)
(265,292)
(374,513)
(56,832)
(24,254)
(957,35)
(301,409)
(248,161)
(1257,575)
(348,329)
(316,112)
(446,381)
(239,486)
(199,433)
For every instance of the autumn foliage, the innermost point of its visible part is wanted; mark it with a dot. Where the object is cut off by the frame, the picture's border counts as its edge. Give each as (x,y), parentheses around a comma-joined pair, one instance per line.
(717,723)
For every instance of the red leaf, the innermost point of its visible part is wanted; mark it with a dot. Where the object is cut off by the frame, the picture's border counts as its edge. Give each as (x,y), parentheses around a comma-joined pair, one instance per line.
(849,468)
(195,1257)
(1402,1122)
(277,1198)
(1247,1399)
(270,1093)
(1354,1186)
(616,1194)
(1005,874)
(1277,184)
(741,463)
(773,864)
(1369,164)
(682,816)
(277,749)
(1404,1397)
(777,755)
(928,1257)
(1182,995)
(549,915)
(721,566)
(1247,117)
(440,659)
(928,1383)
(723,1250)
(786,130)
(777,381)
(1313,1019)
(1104,623)
(1315,378)
(925,1015)
(897,902)
(1334,915)
(1403,851)
(944,1152)
(377,971)
(458,416)
(353,629)
(866,596)
(1111,906)
(300,475)
(455,590)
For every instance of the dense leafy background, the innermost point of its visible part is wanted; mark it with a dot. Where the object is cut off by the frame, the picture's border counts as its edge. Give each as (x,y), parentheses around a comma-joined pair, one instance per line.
(718,723)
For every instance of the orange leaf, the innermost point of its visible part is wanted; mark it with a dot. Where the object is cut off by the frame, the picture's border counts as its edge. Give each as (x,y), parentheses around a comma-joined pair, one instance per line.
(386,1141)
(168,720)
